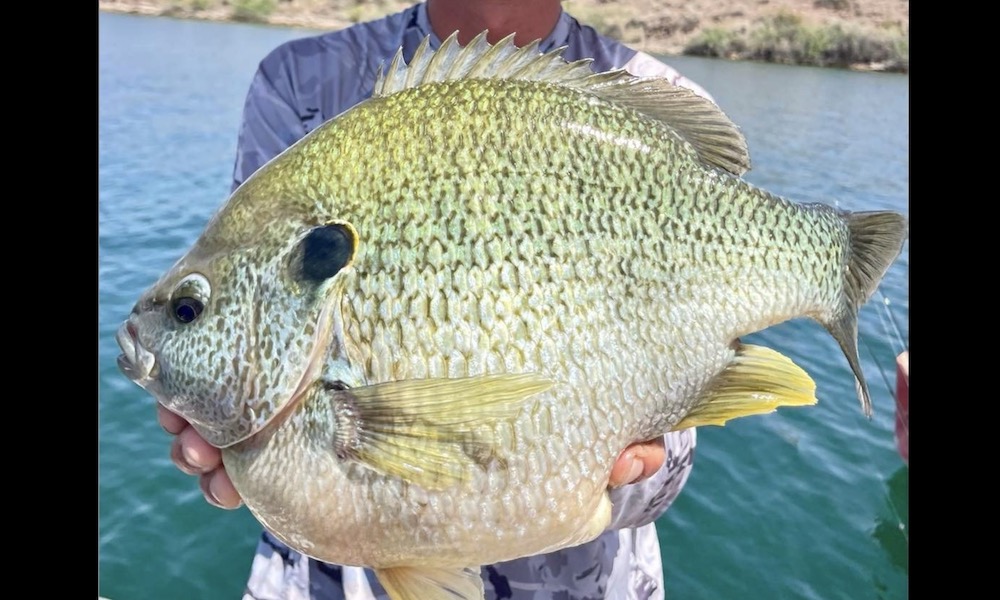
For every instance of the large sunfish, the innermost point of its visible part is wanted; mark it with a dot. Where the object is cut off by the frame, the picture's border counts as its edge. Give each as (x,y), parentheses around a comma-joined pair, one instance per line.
(422,334)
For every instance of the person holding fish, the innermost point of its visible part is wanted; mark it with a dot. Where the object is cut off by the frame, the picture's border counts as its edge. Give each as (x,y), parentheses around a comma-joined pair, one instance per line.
(299,86)
(468,301)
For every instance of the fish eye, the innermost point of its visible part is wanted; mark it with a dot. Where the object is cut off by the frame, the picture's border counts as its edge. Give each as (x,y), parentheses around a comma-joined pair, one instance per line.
(187,309)
(189,298)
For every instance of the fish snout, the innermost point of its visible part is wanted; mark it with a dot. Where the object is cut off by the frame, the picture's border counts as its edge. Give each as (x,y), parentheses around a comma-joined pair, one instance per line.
(135,361)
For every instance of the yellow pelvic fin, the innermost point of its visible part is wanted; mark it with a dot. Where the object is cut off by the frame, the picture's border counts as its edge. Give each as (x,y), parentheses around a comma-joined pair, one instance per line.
(424,583)
(758,381)
(431,432)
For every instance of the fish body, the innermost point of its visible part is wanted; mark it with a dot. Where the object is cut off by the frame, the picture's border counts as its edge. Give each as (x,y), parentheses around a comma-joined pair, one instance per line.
(423,334)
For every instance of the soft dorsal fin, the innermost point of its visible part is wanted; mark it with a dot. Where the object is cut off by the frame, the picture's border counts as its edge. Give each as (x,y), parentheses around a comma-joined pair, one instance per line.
(697,120)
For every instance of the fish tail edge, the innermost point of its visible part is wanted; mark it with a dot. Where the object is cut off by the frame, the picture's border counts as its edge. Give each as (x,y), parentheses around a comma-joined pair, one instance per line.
(876,239)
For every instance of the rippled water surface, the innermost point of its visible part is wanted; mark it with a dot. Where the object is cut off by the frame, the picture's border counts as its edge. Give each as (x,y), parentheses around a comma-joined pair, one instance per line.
(807,503)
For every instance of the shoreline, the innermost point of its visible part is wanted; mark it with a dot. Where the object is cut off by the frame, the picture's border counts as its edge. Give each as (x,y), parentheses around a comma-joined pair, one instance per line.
(867,35)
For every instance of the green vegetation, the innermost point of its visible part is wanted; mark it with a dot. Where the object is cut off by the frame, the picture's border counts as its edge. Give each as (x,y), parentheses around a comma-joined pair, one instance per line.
(833,4)
(252,11)
(785,39)
(183,8)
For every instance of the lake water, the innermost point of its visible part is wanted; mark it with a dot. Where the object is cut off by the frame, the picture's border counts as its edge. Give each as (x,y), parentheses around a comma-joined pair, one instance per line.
(803,503)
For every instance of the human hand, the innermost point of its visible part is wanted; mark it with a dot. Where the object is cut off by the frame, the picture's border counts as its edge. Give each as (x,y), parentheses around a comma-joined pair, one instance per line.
(194,456)
(638,462)
(903,405)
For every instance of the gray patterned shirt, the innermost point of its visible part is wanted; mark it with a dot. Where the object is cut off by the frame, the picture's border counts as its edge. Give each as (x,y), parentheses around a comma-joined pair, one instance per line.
(305,82)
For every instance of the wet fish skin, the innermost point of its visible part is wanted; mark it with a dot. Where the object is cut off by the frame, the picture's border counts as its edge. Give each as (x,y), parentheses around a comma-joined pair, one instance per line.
(423,333)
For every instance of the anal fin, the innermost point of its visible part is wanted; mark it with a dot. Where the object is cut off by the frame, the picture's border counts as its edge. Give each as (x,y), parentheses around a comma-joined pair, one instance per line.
(432,583)
(757,381)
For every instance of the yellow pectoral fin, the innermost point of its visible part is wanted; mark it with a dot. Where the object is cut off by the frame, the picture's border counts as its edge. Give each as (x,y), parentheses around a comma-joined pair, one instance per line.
(430,432)
(758,381)
(422,583)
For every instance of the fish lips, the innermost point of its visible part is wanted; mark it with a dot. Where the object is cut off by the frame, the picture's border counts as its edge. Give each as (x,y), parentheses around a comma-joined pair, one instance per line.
(135,361)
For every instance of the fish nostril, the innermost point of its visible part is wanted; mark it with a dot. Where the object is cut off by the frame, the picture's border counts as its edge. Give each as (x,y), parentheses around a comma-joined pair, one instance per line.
(142,306)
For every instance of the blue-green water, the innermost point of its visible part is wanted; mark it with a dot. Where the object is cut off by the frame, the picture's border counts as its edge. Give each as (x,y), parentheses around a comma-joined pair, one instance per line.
(804,503)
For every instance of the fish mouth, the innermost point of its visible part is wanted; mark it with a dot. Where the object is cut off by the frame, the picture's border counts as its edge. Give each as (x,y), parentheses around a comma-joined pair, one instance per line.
(135,361)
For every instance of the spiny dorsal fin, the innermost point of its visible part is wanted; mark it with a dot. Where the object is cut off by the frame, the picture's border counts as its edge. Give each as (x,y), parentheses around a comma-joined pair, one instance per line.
(697,120)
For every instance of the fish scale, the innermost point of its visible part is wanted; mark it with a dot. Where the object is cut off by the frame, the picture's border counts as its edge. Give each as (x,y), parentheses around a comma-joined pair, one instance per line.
(548,196)
(465,296)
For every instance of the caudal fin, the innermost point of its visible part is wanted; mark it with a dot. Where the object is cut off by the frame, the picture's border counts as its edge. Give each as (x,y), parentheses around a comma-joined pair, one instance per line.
(876,240)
